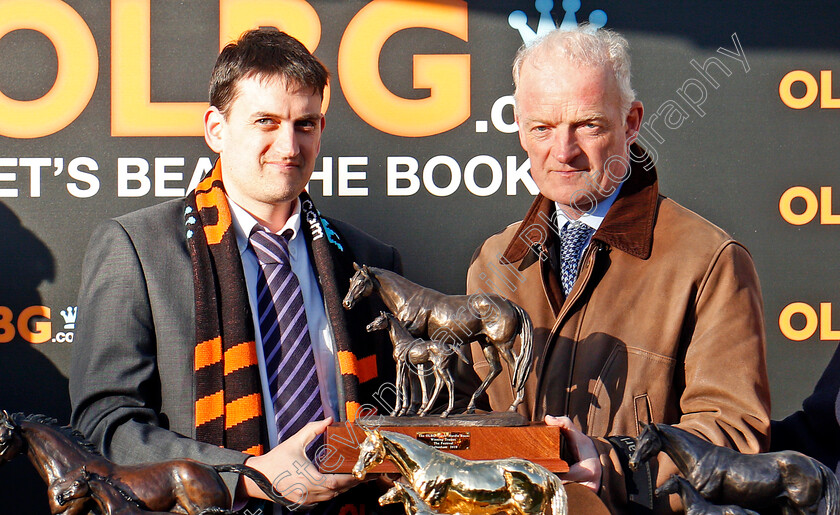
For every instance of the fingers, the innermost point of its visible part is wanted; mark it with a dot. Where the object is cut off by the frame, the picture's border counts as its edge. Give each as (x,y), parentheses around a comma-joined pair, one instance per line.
(340,483)
(587,470)
(566,425)
(311,430)
(322,487)
(587,474)
(581,445)
(552,421)
(293,476)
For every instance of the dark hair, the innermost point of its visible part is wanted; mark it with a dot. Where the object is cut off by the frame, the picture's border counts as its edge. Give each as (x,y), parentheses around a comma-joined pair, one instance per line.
(264,52)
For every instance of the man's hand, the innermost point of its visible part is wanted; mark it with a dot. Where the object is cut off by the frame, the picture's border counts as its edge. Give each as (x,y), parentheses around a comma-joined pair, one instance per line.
(292,474)
(587,470)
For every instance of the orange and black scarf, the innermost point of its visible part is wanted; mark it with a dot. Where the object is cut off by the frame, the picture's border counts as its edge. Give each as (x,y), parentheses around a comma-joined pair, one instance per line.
(228,403)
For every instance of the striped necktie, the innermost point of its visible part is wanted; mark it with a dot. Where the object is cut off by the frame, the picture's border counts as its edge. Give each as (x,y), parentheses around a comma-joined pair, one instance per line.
(289,359)
(573,238)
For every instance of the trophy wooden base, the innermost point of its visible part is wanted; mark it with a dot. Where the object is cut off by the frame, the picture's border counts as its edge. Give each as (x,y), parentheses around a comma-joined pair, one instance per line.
(494,419)
(534,442)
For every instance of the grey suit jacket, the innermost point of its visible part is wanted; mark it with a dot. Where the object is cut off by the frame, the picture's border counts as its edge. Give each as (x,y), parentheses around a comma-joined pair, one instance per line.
(131,378)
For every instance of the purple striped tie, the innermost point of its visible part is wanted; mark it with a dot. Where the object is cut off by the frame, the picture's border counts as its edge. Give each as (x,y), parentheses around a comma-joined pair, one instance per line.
(289,360)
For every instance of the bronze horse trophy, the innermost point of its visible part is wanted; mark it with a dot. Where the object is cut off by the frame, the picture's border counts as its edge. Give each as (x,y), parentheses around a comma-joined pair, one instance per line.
(693,503)
(182,486)
(487,318)
(106,495)
(449,484)
(409,351)
(790,479)
(81,485)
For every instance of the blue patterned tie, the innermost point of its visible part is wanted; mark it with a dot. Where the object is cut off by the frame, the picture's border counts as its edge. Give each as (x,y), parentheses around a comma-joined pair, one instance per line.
(573,238)
(289,359)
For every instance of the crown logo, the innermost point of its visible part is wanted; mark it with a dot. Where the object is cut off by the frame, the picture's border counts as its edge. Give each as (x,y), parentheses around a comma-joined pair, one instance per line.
(519,20)
(69,316)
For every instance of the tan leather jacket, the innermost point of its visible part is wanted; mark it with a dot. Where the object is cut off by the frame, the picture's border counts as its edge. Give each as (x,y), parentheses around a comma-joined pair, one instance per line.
(664,324)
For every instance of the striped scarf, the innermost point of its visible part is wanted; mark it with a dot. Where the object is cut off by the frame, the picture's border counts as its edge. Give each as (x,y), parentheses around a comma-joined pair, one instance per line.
(228,403)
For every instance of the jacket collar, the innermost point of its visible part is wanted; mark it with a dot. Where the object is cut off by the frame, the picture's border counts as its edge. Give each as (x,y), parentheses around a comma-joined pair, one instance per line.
(628,225)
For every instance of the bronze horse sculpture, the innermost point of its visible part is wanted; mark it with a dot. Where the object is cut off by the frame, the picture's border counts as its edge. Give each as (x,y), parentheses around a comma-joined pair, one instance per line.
(409,350)
(487,318)
(450,484)
(81,485)
(790,479)
(693,502)
(108,496)
(180,486)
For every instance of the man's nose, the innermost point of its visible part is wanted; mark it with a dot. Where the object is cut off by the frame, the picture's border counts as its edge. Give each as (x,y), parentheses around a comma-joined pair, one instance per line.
(565,146)
(286,141)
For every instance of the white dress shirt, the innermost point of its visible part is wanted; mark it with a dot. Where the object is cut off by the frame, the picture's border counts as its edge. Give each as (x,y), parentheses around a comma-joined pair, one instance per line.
(592,219)
(320,331)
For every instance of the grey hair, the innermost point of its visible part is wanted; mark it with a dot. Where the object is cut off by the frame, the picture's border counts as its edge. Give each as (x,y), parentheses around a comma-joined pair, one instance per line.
(584,46)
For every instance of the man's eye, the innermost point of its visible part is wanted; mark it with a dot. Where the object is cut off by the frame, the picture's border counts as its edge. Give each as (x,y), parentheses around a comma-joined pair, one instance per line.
(264,121)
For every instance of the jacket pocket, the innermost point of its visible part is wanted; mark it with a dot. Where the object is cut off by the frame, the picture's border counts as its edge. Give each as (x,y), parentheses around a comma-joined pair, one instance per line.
(633,386)
(641,403)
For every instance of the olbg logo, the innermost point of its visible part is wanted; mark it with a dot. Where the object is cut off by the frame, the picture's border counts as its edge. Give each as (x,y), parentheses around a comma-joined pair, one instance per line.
(812,89)
(133,113)
(810,206)
(34,325)
(812,322)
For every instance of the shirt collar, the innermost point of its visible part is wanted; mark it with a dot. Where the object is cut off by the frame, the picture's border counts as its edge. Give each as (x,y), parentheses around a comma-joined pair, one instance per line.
(628,226)
(592,219)
(244,222)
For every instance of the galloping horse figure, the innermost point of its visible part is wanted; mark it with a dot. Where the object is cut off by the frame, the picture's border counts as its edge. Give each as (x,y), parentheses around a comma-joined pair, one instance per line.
(449,484)
(409,350)
(488,318)
(183,485)
(693,503)
(724,476)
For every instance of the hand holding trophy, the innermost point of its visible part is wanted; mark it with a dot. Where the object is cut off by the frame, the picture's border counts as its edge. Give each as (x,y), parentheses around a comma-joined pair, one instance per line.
(483,470)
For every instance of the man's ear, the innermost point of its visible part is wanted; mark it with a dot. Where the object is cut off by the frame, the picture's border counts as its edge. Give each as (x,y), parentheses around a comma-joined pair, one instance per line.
(321,133)
(214,123)
(634,121)
(520,132)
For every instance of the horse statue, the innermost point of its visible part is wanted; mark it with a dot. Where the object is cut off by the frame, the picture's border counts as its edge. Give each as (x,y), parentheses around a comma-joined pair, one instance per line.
(487,318)
(108,497)
(725,476)
(57,451)
(450,484)
(412,503)
(693,503)
(82,485)
(409,350)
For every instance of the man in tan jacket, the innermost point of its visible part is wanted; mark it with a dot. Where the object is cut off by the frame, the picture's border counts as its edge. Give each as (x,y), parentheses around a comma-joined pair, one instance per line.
(643,311)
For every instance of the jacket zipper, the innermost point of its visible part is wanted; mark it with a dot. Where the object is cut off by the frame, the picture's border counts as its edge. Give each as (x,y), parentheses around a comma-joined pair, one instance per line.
(587,264)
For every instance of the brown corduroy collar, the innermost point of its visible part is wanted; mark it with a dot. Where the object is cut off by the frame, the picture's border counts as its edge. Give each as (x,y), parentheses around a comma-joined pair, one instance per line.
(628,225)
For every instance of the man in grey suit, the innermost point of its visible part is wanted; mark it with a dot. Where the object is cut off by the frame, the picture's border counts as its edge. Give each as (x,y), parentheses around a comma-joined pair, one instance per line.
(147,343)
